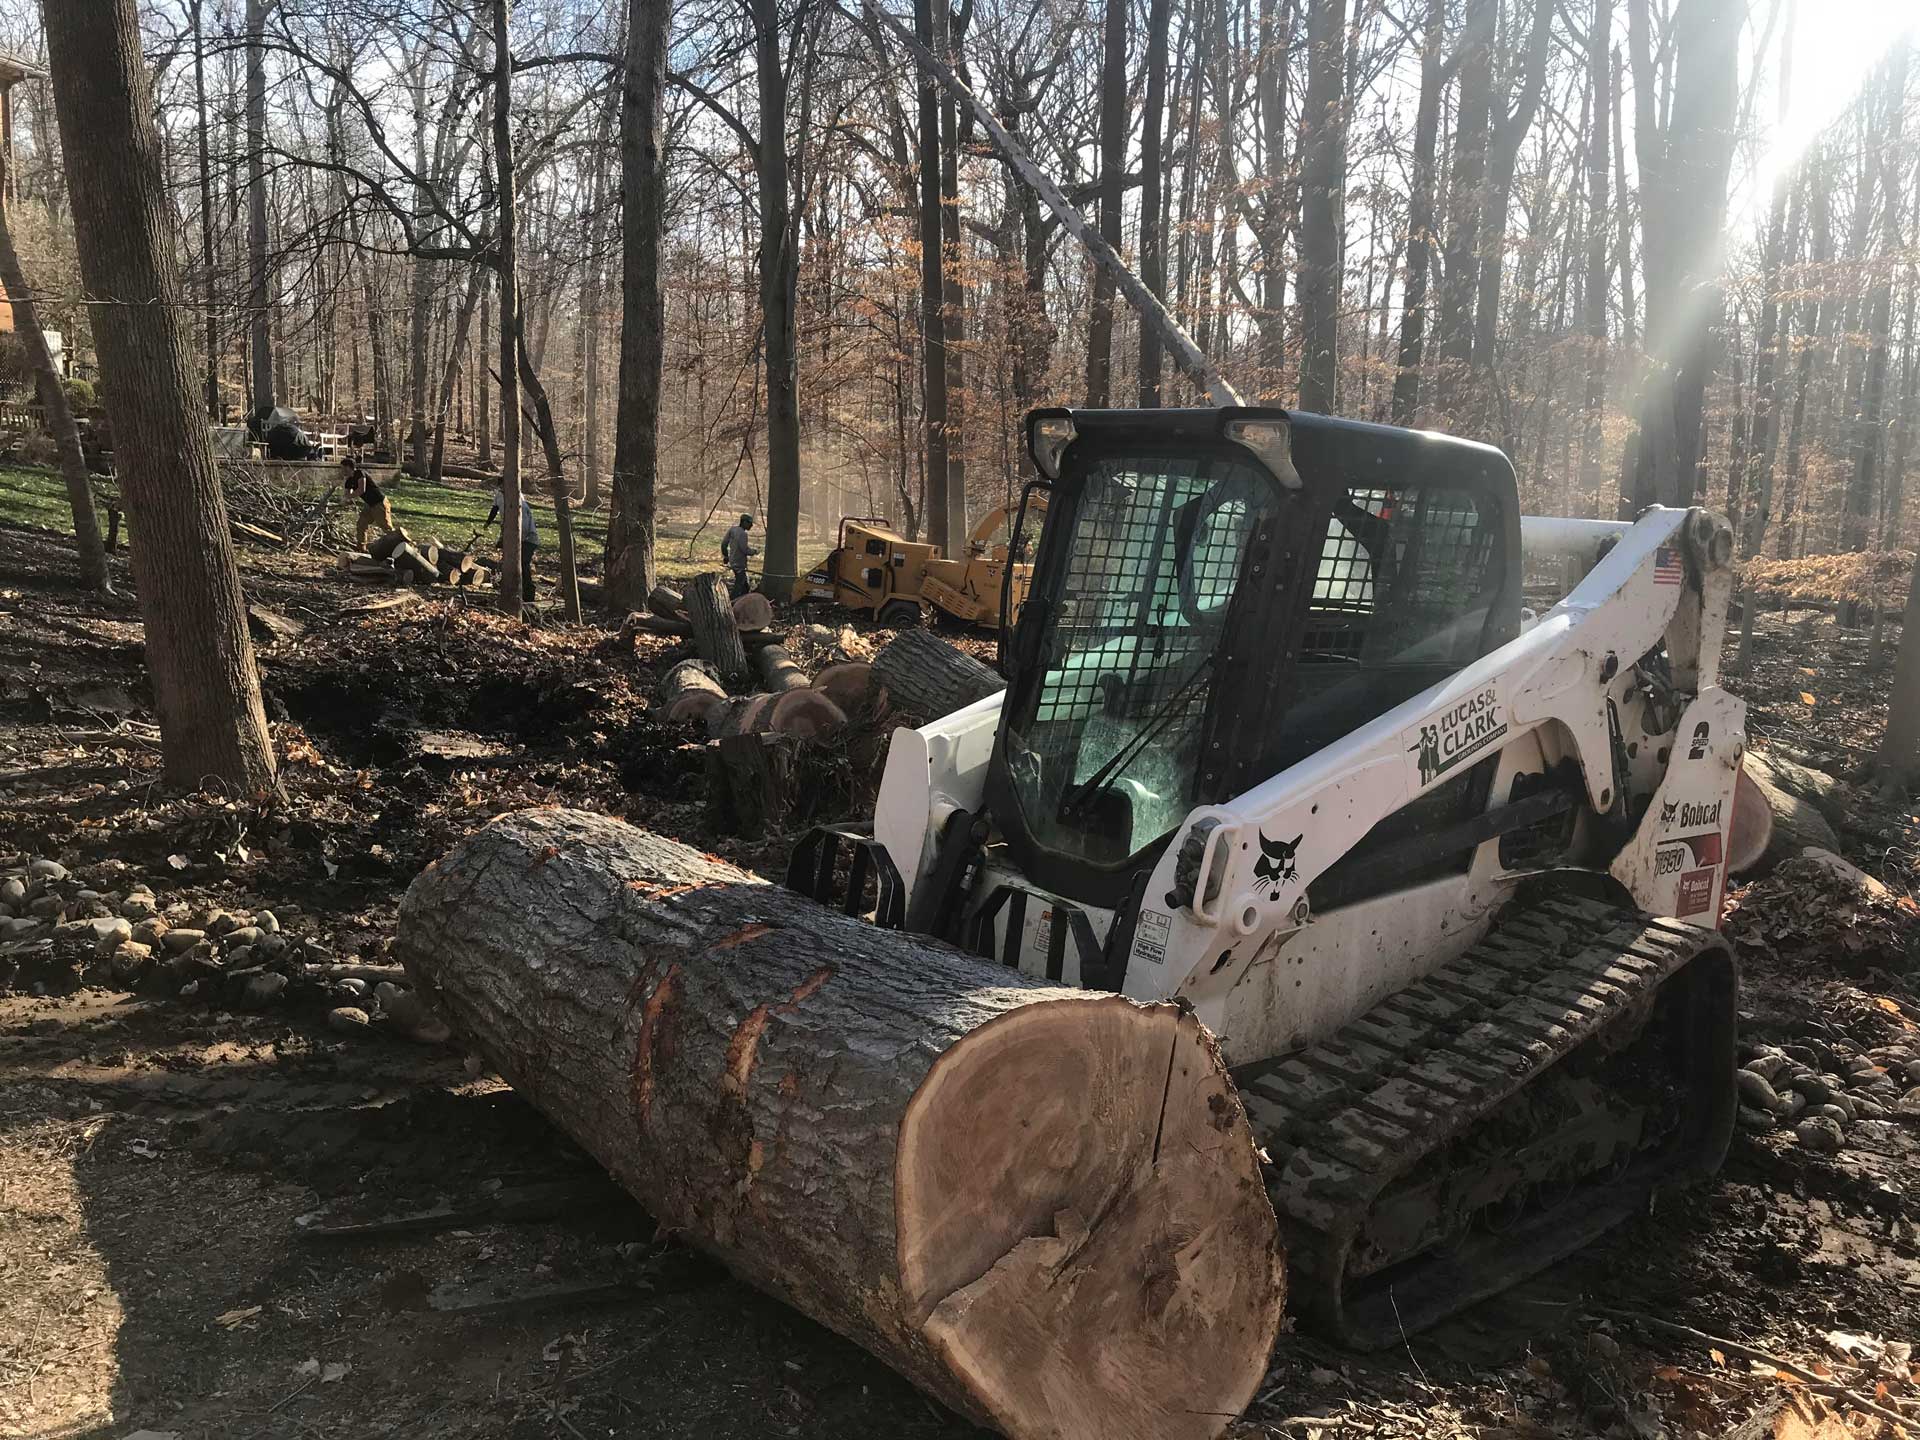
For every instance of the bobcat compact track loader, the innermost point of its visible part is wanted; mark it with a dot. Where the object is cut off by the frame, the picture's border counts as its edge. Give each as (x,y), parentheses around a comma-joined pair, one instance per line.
(1280,741)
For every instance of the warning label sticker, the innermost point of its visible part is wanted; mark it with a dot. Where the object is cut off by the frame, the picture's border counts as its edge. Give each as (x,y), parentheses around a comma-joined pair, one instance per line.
(1150,938)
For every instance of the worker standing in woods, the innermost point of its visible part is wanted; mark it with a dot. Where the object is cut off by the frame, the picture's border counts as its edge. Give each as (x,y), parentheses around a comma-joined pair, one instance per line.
(529,539)
(735,549)
(376,511)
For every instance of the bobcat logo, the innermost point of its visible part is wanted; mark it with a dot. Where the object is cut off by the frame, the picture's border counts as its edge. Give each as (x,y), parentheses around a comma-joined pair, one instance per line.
(1668,809)
(1275,866)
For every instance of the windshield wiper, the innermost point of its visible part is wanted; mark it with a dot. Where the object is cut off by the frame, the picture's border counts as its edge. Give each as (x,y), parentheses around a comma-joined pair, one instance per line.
(1168,710)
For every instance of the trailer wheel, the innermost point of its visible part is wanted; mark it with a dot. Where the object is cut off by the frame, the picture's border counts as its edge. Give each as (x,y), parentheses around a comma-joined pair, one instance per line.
(900,614)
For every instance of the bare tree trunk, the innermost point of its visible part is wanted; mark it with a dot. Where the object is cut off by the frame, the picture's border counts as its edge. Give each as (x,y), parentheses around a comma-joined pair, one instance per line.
(1270,72)
(1113,164)
(420,274)
(933,329)
(53,395)
(1466,199)
(203,147)
(483,419)
(206,690)
(1421,218)
(556,480)
(1623,213)
(1509,128)
(259,285)
(1599,270)
(1323,177)
(952,281)
(636,426)
(779,300)
(511,599)
(1860,498)
(450,377)
(1153,239)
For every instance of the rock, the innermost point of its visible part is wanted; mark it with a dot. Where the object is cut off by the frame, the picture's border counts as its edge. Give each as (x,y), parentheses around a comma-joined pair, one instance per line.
(1911,1072)
(139,906)
(21,928)
(314,953)
(349,1020)
(1817,1088)
(240,957)
(87,896)
(1867,1109)
(1841,1103)
(272,946)
(1755,1091)
(392,1000)
(220,922)
(350,990)
(1767,1065)
(267,921)
(261,991)
(1794,1107)
(178,942)
(1819,1134)
(1804,1054)
(110,934)
(186,969)
(130,959)
(1835,1113)
(47,906)
(1752,1119)
(149,930)
(1862,1078)
(13,891)
(1909,1103)
(51,871)
(1874,1134)
(242,935)
(178,912)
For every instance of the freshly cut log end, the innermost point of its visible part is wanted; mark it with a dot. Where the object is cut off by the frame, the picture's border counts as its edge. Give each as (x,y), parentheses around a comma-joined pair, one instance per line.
(746,715)
(923,675)
(695,707)
(805,715)
(753,611)
(687,677)
(845,684)
(1041,1205)
(665,601)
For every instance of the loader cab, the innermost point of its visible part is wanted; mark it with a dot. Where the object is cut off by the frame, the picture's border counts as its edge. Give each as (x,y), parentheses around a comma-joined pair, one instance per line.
(1219,594)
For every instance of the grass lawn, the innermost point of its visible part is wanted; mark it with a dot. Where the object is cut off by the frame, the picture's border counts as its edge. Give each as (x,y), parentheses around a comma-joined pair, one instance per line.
(38,498)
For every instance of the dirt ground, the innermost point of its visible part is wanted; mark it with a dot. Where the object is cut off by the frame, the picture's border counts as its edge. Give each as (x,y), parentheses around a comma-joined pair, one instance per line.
(171,1169)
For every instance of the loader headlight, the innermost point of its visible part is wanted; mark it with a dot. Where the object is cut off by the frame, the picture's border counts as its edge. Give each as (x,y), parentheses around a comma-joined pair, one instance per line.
(1048,440)
(1271,439)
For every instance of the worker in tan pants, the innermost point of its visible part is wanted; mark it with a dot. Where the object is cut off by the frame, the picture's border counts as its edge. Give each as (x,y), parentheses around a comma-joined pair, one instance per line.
(376,511)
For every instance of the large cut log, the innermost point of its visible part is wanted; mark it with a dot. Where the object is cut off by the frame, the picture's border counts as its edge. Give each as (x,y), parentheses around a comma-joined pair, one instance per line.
(752,611)
(777,670)
(715,636)
(805,715)
(667,602)
(1792,794)
(846,684)
(923,675)
(1041,1205)
(743,715)
(640,623)
(689,677)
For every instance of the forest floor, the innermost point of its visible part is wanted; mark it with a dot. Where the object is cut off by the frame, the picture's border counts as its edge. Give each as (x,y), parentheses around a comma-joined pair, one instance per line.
(167,1165)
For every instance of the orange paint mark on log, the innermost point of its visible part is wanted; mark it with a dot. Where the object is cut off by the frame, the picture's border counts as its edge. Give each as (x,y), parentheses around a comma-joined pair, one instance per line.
(807,988)
(660,892)
(545,855)
(648,1044)
(739,937)
(741,1048)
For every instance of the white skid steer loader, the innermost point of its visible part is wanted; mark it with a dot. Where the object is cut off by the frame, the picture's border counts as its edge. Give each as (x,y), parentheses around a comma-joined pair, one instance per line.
(1280,741)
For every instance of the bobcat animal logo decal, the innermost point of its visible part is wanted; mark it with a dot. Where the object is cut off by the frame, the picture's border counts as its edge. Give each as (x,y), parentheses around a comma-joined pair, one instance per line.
(1275,866)
(1668,809)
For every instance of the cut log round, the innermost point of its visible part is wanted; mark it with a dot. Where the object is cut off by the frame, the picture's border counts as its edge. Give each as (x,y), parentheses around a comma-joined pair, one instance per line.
(805,715)
(845,684)
(744,715)
(689,676)
(923,675)
(753,611)
(1793,794)
(696,707)
(777,670)
(666,601)
(1041,1205)
(715,636)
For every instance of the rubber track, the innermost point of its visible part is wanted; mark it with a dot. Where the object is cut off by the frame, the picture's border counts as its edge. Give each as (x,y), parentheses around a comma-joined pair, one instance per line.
(1342,1120)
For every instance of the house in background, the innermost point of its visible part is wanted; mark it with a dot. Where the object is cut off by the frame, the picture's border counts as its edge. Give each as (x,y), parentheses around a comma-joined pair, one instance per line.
(12,72)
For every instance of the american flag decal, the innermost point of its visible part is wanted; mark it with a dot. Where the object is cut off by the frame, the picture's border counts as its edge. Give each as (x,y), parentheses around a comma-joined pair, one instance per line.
(1666,566)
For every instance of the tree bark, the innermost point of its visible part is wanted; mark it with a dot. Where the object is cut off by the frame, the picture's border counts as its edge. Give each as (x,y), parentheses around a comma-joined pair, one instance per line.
(643,188)
(779,302)
(925,676)
(1506,133)
(1466,200)
(1422,221)
(1153,240)
(204,154)
(1323,179)
(1113,164)
(53,396)
(823,1105)
(717,638)
(450,377)
(689,677)
(1599,269)
(510,597)
(259,282)
(1270,75)
(206,689)
(777,669)
(933,325)
(1861,501)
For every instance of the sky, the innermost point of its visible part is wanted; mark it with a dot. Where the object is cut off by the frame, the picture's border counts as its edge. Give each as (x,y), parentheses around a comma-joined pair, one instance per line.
(1836,45)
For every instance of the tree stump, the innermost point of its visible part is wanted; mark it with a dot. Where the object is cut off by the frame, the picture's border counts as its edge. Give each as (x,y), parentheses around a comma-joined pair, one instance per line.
(666,602)
(923,675)
(1041,1205)
(743,715)
(715,636)
(777,670)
